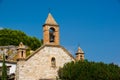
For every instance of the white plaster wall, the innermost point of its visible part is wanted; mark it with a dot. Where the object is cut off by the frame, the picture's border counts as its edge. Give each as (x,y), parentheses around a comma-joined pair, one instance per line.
(12,68)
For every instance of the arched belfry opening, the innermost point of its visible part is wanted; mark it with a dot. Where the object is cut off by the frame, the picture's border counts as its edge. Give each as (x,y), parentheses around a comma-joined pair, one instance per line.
(51,35)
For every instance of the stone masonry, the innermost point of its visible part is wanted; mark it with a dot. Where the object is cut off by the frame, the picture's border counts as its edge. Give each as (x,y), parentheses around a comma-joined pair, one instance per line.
(38,66)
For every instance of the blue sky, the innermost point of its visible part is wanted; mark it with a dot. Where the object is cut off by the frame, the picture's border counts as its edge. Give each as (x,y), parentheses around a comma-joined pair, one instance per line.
(92,24)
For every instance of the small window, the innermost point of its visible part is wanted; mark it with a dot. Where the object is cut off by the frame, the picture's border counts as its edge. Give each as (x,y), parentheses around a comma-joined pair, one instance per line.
(22,54)
(81,57)
(53,62)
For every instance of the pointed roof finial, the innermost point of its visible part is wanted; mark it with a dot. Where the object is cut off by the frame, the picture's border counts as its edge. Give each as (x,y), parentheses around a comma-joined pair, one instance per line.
(50,20)
(21,45)
(79,51)
(49,10)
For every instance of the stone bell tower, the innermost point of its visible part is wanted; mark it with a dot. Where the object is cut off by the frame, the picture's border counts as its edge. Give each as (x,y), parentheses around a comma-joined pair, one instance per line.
(79,54)
(50,31)
(21,52)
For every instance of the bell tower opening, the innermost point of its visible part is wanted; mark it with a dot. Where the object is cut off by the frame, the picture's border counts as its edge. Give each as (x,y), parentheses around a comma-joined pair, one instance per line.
(51,35)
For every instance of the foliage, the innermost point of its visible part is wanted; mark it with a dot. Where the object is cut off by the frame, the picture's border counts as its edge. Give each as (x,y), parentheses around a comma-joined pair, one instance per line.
(14,37)
(4,69)
(84,70)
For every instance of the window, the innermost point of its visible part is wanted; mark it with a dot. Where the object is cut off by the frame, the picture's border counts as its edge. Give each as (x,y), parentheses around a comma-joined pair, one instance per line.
(22,54)
(51,34)
(53,62)
(81,57)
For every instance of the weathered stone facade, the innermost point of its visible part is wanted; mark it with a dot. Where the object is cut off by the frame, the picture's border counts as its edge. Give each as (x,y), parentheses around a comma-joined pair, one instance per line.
(38,66)
(44,63)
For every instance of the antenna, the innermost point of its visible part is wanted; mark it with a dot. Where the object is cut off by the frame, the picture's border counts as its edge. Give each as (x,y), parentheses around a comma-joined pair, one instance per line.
(49,10)
(78,44)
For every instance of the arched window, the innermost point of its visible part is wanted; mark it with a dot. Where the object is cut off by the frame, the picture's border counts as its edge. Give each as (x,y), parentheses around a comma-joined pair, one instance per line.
(81,57)
(53,62)
(22,54)
(51,34)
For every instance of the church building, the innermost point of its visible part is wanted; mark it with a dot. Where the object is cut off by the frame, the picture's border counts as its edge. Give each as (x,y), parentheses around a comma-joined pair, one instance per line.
(44,63)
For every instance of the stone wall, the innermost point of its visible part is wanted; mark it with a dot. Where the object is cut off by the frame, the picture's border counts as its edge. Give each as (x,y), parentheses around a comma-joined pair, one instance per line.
(39,65)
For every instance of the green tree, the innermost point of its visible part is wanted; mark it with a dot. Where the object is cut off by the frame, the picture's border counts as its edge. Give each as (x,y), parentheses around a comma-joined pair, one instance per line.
(85,70)
(14,37)
(4,69)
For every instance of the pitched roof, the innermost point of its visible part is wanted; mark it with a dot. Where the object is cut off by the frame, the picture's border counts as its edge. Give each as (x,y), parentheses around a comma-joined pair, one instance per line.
(50,46)
(79,51)
(50,20)
(22,46)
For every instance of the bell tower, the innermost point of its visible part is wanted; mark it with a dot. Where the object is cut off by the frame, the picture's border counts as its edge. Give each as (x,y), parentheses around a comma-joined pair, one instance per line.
(21,52)
(50,31)
(79,54)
